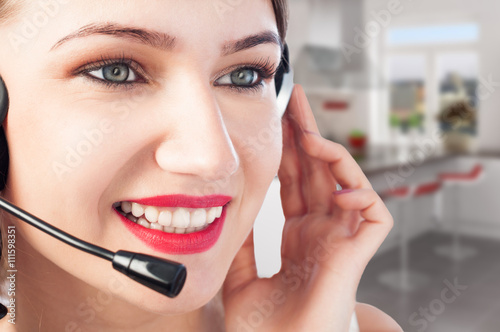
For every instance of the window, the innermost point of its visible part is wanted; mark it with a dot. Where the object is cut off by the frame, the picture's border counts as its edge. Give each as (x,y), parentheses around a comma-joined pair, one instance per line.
(458,33)
(407,84)
(431,70)
(457,76)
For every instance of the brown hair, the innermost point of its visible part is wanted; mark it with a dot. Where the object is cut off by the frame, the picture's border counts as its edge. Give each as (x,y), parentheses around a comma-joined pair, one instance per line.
(8,9)
(281,11)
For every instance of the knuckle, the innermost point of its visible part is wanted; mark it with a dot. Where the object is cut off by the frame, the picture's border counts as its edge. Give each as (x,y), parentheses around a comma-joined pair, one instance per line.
(341,149)
(390,221)
(314,149)
(286,179)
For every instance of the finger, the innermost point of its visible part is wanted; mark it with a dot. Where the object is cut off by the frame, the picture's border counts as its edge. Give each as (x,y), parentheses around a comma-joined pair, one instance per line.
(342,165)
(347,220)
(318,182)
(377,220)
(289,175)
(301,110)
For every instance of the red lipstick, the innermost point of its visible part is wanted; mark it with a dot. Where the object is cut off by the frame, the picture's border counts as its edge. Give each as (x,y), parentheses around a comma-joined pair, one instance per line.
(173,243)
(184,201)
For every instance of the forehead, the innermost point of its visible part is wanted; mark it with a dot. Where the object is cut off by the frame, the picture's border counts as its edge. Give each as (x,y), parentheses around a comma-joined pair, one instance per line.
(200,23)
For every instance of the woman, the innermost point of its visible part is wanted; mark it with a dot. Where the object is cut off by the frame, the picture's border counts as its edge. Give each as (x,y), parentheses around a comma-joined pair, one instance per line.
(130,121)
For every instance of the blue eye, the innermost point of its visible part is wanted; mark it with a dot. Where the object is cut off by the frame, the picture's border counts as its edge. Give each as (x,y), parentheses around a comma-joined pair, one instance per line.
(115,73)
(124,74)
(240,77)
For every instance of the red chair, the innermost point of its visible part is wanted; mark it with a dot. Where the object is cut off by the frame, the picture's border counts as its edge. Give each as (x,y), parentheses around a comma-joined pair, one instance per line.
(405,279)
(454,181)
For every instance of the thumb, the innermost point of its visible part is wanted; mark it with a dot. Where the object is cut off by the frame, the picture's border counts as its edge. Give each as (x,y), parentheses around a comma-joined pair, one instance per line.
(243,270)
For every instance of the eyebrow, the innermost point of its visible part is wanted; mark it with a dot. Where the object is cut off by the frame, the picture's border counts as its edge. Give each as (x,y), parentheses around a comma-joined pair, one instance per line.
(164,41)
(265,37)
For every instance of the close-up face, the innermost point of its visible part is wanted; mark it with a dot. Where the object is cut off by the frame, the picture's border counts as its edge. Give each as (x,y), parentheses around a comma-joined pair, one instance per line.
(144,102)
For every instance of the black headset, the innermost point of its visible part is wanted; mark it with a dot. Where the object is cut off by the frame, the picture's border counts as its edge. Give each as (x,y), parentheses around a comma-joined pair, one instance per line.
(283,83)
(4,150)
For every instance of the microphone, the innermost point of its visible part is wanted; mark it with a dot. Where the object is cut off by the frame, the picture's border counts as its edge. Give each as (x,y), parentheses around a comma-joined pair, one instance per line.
(164,276)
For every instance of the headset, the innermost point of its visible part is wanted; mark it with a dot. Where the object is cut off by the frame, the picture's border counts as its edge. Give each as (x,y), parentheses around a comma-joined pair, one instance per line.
(164,276)
(283,81)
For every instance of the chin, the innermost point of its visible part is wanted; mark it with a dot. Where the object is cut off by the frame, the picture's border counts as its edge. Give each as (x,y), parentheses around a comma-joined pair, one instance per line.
(200,288)
(187,301)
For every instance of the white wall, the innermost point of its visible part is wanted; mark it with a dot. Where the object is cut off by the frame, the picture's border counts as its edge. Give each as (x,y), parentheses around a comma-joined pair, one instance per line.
(489,123)
(319,23)
(298,28)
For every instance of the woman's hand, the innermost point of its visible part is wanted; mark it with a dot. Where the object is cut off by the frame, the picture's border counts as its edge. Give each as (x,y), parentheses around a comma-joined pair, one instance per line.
(328,238)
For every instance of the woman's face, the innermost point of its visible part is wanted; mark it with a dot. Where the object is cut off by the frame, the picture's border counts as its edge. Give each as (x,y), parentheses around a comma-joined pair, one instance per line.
(122,101)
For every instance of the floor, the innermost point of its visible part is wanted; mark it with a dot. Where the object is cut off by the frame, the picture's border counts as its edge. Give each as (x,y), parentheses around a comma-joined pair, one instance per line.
(460,297)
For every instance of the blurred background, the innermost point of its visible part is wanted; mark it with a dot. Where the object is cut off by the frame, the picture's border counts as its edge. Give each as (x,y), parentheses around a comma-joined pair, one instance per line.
(412,89)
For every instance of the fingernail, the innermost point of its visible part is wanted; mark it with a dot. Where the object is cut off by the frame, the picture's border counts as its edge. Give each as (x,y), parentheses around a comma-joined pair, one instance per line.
(343,191)
(311,132)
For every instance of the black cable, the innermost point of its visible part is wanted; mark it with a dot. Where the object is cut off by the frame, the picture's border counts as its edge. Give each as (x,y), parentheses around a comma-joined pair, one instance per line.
(164,276)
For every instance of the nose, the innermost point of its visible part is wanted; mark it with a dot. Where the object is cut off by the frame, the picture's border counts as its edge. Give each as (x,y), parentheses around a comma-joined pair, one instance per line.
(196,141)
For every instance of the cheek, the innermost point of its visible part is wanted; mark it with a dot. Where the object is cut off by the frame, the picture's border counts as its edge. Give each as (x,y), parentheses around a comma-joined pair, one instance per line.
(259,147)
(53,160)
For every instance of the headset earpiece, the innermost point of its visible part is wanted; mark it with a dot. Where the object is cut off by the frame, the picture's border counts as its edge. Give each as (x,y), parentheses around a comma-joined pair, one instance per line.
(283,68)
(4,100)
(283,81)
(4,150)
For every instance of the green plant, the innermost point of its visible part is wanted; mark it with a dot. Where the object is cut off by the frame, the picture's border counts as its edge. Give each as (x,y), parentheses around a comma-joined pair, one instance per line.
(357,133)
(415,120)
(394,120)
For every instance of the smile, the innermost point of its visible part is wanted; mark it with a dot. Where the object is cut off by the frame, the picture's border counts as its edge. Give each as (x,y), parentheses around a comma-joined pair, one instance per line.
(170,220)
(175,224)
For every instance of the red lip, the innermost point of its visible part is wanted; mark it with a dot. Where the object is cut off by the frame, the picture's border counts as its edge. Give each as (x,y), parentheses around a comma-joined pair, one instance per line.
(185,201)
(172,243)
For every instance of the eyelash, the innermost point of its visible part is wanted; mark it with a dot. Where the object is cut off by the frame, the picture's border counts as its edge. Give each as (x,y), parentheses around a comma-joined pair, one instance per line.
(91,66)
(263,67)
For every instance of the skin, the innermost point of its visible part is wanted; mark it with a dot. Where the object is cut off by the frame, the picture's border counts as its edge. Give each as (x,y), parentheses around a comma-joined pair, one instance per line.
(177,133)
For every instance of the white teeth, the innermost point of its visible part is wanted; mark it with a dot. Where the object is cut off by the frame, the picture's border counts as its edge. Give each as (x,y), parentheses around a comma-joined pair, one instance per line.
(211,215)
(180,218)
(126,207)
(218,211)
(177,220)
(198,218)
(143,222)
(151,214)
(169,229)
(180,230)
(155,225)
(137,210)
(165,218)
